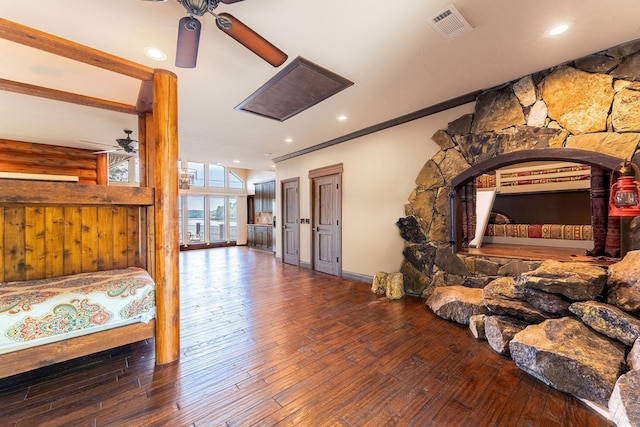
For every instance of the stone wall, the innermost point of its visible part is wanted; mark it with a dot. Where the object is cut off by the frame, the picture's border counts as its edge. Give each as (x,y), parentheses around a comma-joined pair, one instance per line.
(588,104)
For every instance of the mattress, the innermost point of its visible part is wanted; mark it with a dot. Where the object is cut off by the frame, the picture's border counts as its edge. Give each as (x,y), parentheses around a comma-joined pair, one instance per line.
(42,311)
(541,231)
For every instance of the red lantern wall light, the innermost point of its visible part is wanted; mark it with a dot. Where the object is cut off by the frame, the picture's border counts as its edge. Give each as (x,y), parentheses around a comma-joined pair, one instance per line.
(624,196)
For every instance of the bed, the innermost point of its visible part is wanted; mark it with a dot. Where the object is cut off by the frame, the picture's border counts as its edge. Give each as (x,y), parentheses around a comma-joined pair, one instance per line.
(56,233)
(44,311)
(533,178)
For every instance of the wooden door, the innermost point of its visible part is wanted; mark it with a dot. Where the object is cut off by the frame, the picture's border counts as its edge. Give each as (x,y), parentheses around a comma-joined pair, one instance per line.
(290,222)
(326,224)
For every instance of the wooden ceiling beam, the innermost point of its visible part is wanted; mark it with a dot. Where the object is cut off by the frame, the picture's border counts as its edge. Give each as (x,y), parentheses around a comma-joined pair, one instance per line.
(58,46)
(58,95)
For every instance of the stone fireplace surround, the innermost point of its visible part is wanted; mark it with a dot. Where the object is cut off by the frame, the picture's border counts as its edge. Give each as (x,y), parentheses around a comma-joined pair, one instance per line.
(566,112)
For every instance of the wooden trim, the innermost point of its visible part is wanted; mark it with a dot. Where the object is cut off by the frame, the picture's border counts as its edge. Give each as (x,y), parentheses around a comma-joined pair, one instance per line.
(58,46)
(59,193)
(543,154)
(327,170)
(73,98)
(43,355)
(428,111)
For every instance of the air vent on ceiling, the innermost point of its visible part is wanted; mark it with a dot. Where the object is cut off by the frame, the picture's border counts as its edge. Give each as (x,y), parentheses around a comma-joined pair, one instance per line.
(449,23)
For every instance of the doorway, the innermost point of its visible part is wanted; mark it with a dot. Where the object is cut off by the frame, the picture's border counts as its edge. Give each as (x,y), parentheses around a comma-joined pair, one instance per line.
(326,234)
(290,221)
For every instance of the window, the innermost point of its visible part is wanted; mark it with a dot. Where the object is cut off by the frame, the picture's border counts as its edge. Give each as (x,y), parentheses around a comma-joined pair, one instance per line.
(235,182)
(199,170)
(211,215)
(195,219)
(123,169)
(217,216)
(216,176)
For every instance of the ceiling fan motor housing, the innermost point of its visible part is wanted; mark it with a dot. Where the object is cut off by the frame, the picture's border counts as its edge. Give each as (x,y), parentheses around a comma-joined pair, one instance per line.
(199,7)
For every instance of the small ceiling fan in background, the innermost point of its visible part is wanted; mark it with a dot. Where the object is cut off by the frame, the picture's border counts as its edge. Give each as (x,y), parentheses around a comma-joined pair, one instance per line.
(126,145)
(189,33)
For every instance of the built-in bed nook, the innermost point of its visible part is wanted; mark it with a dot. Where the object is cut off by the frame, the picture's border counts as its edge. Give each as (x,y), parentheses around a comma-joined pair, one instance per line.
(85,266)
(541,204)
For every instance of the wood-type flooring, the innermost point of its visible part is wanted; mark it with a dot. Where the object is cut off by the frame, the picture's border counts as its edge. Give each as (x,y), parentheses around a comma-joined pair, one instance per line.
(269,344)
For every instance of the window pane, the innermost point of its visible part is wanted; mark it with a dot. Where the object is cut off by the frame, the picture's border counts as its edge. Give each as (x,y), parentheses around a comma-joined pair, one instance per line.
(216,176)
(235,182)
(180,219)
(233,219)
(199,169)
(216,219)
(119,172)
(195,219)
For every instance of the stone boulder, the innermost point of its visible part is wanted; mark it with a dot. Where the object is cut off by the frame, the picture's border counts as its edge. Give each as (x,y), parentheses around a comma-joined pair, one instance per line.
(389,284)
(476,326)
(457,303)
(624,404)
(575,280)
(608,320)
(500,330)
(379,284)
(569,356)
(633,358)
(623,283)
(505,296)
(410,230)
(578,100)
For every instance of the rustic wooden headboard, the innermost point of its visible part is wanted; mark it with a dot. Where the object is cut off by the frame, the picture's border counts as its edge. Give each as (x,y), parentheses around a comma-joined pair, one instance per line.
(50,229)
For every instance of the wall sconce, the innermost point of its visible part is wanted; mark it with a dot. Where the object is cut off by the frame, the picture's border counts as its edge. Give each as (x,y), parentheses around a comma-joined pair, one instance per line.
(186,178)
(624,197)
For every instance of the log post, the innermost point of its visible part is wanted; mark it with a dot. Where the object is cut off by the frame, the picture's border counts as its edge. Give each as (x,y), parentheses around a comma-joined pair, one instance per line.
(165,160)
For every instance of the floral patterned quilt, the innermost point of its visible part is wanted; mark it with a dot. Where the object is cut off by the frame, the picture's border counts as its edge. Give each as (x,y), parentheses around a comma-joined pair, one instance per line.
(42,311)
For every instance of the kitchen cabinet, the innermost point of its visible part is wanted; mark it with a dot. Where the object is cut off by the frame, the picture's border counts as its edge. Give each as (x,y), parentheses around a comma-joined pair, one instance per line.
(260,236)
(264,195)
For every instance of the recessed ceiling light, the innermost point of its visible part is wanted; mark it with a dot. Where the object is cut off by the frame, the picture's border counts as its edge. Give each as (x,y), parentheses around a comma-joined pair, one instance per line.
(273,166)
(342,118)
(288,140)
(236,161)
(558,29)
(155,53)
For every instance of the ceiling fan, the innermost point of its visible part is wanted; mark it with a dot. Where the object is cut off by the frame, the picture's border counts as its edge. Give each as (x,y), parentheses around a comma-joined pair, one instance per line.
(126,144)
(189,33)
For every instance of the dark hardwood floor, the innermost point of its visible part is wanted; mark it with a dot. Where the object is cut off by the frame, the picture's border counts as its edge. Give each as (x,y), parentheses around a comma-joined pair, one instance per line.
(268,344)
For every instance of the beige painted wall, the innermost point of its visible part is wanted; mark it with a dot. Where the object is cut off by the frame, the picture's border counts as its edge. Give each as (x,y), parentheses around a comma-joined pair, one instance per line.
(379,174)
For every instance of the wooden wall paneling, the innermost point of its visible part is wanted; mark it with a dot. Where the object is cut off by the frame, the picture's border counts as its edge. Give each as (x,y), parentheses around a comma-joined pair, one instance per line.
(105,233)
(120,238)
(54,232)
(72,240)
(133,237)
(89,220)
(14,244)
(28,157)
(35,243)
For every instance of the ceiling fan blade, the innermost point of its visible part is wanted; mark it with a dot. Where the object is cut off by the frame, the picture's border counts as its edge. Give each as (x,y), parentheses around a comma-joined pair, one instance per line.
(229,1)
(250,39)
(188,42)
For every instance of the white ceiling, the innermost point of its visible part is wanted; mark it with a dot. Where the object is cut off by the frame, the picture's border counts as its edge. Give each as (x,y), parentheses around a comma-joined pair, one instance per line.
(399,64)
